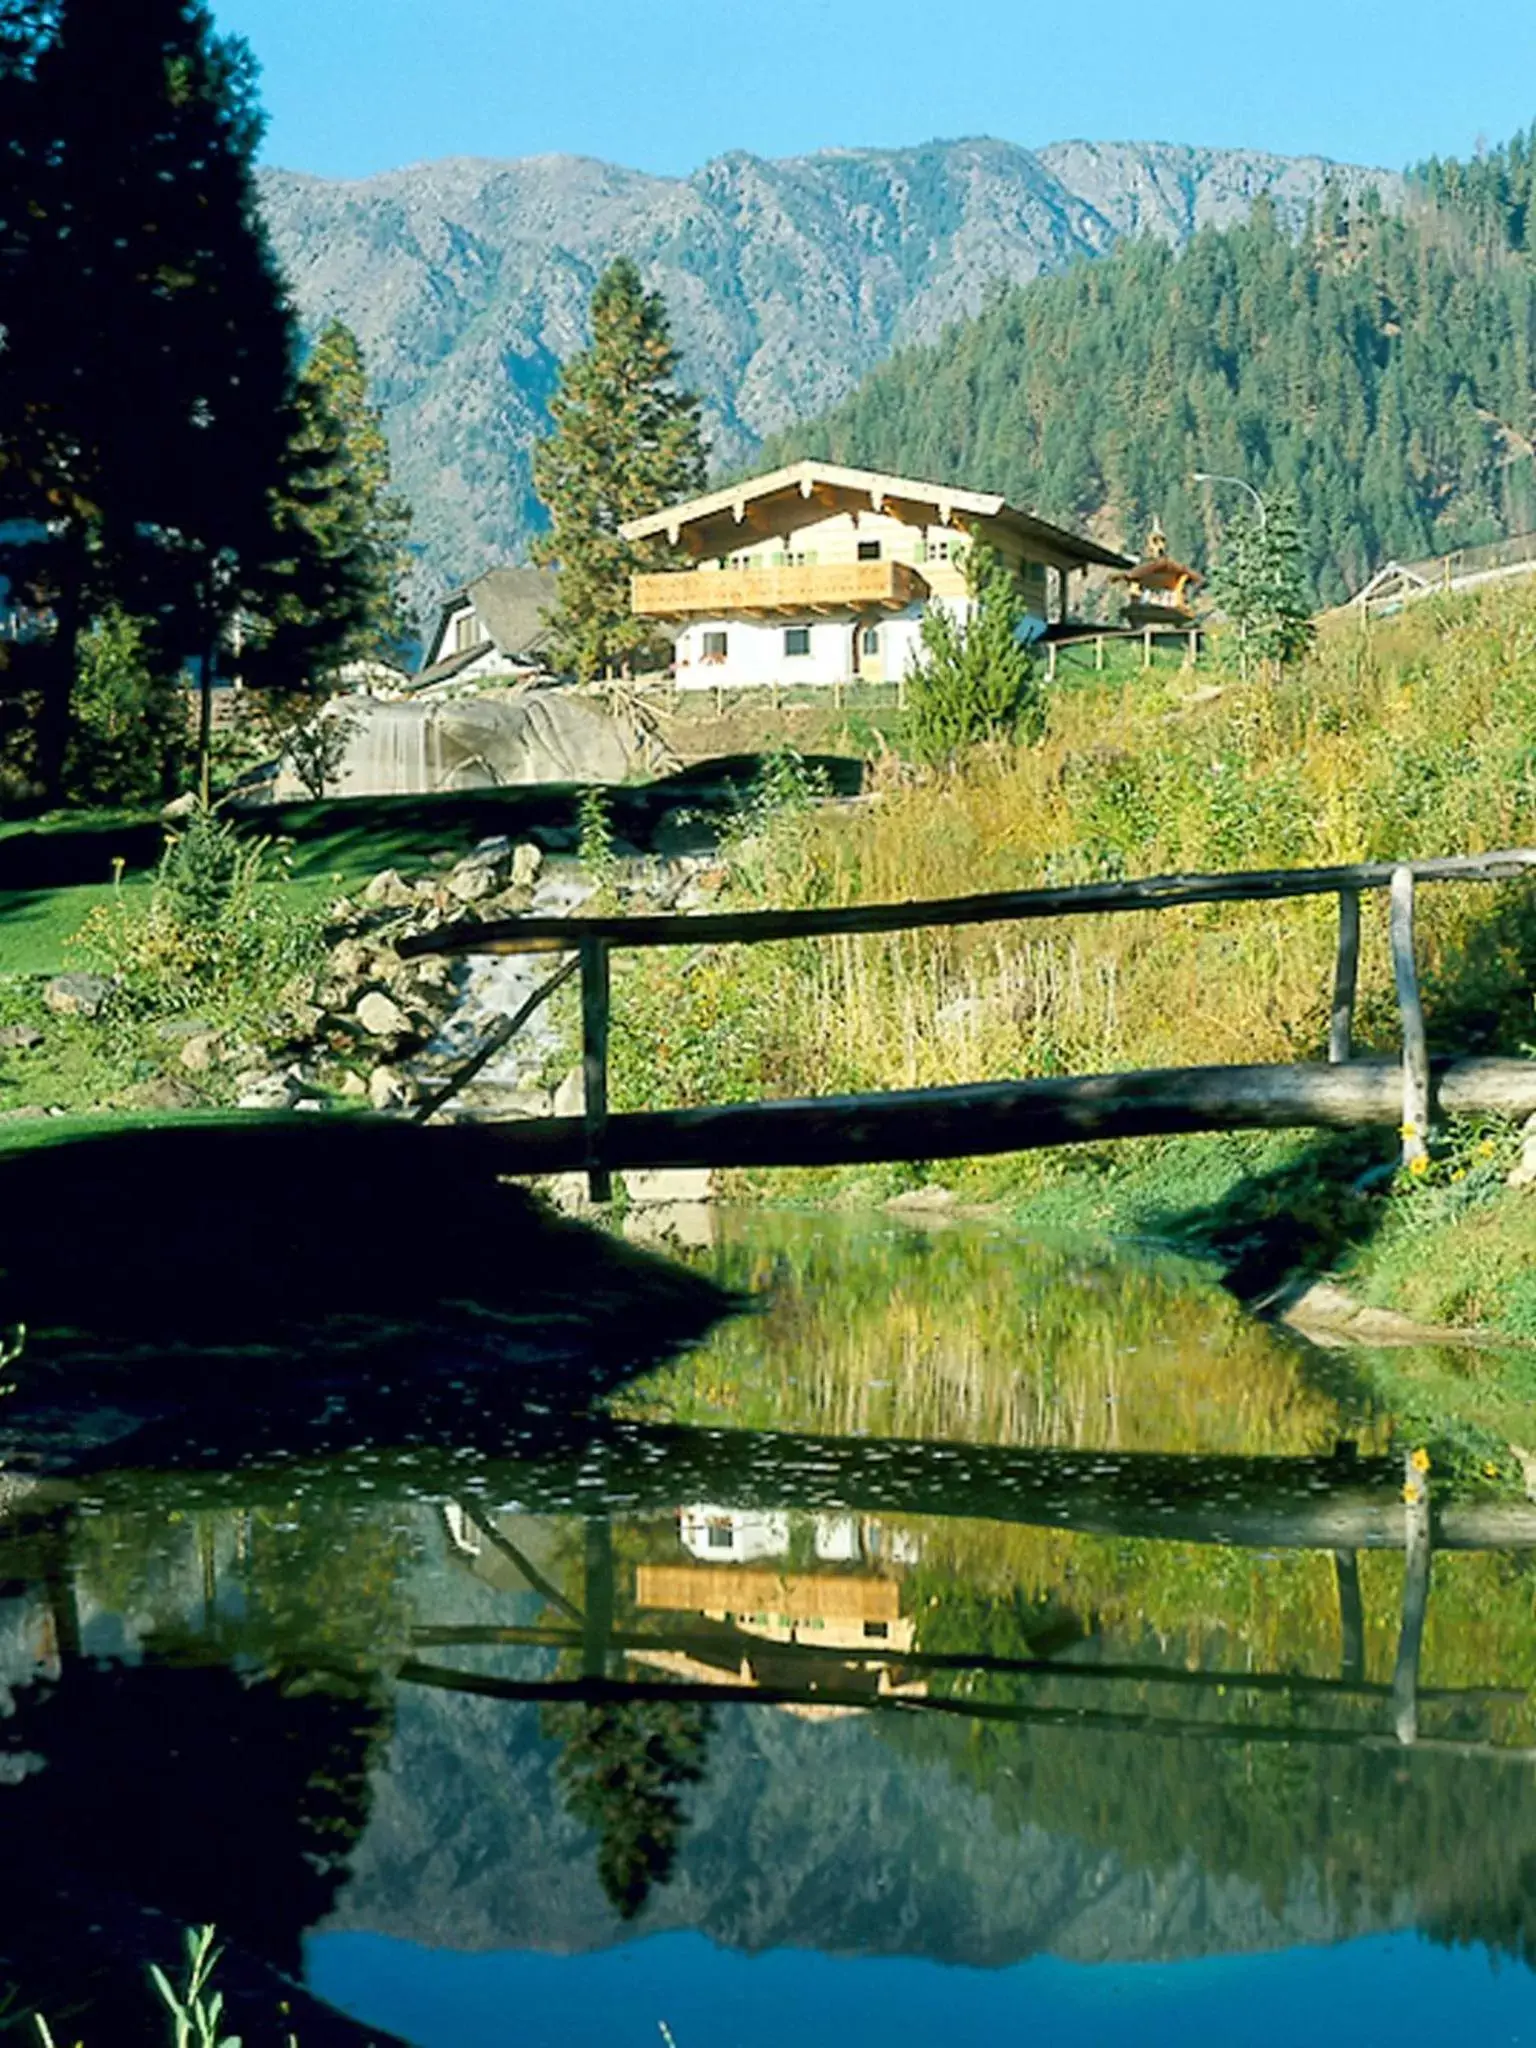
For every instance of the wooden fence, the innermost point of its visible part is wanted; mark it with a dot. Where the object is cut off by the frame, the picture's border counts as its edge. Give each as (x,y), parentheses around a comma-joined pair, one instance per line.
(976,1118)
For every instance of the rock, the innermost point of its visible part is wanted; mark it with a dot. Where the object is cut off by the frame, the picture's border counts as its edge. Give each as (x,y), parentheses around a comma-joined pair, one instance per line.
(163,1092)
(471,881)
(181,806)
(201,1051)
(1523,1175)
(353,1086)
(175,1029)
(388,891)
(669,1186)
(382,1017)
(19,1037)
(389,1088)
(571,1095)
(77,995)
(496,850)
(922,1201)
(434,972)
(527,860)
(266,1091)
(350,960)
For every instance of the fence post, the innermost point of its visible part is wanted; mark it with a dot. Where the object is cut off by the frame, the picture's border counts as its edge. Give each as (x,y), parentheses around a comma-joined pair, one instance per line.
(901,691)
(1146,647)
(595,1004)
(1050,661)
(1415,1044)
(1194,646)
(1416,1545)
(1346,974)
(719,700)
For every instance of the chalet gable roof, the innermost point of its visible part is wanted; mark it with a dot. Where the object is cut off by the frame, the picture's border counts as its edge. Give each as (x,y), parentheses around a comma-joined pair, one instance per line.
(513,607)
(776,503)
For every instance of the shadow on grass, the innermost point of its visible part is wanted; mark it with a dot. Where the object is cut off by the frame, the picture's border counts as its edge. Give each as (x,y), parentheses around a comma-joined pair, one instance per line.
(1332,1193)
(357,835)
(257,1271)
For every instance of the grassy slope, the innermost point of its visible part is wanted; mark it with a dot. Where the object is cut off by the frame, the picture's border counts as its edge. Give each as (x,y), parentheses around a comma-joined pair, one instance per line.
(1413,738)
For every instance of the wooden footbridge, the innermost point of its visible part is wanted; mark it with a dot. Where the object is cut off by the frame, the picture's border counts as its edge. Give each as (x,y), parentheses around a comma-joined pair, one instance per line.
(995,1116)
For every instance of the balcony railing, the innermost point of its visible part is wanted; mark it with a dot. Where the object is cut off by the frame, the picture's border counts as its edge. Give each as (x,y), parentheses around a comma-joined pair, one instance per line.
(823,586)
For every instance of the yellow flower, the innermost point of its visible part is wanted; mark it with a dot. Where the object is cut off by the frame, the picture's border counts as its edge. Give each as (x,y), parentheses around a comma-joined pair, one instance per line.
(1412,1492)
(1460,1173)
(1486,1149)
(1407,1130)
(1419,1163)
(1490,1470)
(1419,1459)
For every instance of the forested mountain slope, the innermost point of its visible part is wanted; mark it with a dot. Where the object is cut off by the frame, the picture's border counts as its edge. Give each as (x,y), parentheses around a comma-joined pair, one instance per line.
(468,282)
(1379,366)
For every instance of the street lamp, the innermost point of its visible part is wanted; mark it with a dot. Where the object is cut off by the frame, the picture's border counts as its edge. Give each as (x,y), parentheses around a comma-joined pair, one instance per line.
(1207,476)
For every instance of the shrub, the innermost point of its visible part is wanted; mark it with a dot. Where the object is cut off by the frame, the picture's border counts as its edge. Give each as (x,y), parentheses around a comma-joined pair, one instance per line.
(975,679)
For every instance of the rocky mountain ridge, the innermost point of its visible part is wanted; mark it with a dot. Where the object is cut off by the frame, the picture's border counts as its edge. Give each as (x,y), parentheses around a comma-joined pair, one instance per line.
(468,281)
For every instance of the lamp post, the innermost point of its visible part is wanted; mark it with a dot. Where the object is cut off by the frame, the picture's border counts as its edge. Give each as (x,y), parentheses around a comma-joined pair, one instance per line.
(1208,476)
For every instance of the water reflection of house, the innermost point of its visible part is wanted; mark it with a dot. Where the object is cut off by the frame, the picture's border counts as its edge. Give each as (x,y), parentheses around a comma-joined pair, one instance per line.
(720,1535)
(831,1610)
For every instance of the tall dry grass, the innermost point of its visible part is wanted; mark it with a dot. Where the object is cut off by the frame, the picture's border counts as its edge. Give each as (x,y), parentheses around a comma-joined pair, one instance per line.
(1410,739)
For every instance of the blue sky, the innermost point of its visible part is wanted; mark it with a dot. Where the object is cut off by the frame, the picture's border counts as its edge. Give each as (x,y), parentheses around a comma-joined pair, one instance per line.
(356,86)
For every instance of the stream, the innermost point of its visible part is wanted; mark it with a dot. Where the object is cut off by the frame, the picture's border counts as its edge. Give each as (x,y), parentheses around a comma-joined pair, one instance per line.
(834,1681)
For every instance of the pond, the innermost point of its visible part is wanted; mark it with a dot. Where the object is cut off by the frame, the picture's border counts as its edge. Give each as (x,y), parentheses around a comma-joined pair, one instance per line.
(979,1636)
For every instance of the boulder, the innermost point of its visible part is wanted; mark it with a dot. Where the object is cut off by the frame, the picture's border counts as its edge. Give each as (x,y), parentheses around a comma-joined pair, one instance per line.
(1524,1172)
(19,1037)
(201,1051)
(571,1095)
(472,880)
(389,891)
(527,860)
(382,1017)
(350,960)
(353,1086)
(165,1091)
(77,995)
(389,1088)
(266,1091)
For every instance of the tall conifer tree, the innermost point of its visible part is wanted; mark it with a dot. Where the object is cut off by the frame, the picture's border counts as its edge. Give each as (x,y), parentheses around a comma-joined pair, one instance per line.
(625,441)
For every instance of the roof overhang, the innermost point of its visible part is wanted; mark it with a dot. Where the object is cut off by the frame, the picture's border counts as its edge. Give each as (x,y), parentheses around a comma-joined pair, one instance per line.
(776,504)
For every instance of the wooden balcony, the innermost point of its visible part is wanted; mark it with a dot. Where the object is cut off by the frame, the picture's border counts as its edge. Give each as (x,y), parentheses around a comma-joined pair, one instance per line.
(734,593)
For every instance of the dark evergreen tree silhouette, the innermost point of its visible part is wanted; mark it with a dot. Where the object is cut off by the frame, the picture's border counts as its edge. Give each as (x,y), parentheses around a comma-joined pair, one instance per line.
(621,1766)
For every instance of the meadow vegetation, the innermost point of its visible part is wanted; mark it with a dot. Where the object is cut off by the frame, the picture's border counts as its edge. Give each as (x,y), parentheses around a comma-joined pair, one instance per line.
(1404,738)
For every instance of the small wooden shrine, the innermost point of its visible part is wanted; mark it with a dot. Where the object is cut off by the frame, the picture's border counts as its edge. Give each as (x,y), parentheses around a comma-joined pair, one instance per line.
(1159,590)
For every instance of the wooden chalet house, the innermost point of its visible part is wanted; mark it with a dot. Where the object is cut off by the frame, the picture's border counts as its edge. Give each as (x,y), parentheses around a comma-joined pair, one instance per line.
(494,628)
(819,574)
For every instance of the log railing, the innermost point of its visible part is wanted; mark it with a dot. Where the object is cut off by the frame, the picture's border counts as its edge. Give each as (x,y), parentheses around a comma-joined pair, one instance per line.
(1009,1115)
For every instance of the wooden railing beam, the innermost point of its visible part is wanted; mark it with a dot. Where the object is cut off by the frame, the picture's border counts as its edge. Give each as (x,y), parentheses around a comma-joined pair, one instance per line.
(1089,899)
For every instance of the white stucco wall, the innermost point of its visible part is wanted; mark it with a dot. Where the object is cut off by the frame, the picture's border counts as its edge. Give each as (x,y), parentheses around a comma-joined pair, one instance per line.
(755,654)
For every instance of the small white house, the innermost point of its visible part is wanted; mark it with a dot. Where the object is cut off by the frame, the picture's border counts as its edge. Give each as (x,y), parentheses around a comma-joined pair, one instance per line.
(494,628)
(822,575)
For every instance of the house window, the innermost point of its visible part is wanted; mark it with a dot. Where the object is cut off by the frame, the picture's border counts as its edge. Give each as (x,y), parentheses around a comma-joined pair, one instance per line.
(869,551)
(869,640)
(721,1536)
(797,640)
(464,634)
(714,646)
(877,1631)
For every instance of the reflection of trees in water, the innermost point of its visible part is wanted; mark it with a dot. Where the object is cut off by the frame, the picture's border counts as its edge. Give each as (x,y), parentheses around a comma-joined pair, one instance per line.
(963,1333)
(621,1767)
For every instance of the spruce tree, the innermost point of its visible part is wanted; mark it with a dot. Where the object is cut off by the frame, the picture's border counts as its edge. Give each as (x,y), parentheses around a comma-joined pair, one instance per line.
(975,679)
(331,590)
(625,441)
(1261,583)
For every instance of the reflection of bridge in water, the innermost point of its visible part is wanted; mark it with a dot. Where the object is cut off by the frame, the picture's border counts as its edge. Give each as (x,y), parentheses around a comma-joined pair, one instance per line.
(714,1649)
